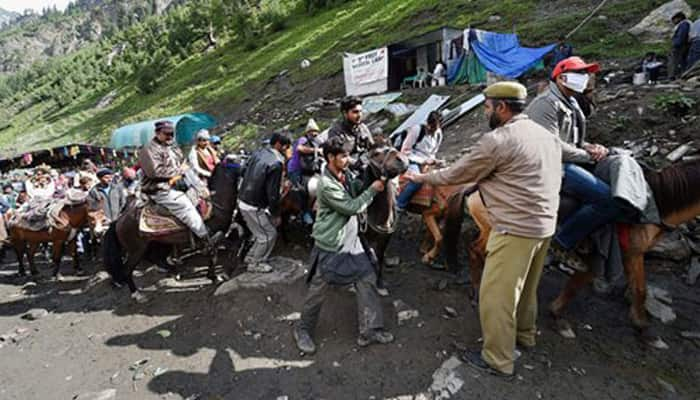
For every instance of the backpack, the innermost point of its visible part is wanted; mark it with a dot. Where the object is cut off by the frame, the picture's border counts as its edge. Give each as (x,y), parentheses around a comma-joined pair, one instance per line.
(399,137)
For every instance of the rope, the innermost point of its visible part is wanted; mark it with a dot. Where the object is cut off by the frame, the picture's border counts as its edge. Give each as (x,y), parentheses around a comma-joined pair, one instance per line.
(585,20)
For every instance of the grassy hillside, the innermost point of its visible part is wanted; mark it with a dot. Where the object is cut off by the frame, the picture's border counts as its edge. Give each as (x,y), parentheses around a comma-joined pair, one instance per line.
(218,81)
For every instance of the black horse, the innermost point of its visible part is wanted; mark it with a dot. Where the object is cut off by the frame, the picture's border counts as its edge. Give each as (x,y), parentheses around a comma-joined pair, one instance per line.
(123,239)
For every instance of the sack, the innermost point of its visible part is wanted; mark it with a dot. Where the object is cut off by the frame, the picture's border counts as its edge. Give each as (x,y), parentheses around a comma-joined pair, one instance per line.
(399,137)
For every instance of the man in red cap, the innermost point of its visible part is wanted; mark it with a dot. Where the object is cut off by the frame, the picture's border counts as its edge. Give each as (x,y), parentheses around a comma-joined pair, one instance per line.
(557,110)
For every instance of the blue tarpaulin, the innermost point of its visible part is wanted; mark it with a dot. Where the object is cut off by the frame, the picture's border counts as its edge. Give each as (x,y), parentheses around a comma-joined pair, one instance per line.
(186,127)
(501,53)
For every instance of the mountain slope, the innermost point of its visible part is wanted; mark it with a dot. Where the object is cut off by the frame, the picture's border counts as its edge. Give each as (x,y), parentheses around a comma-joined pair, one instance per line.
(7,17)
(35,37)
(232,80)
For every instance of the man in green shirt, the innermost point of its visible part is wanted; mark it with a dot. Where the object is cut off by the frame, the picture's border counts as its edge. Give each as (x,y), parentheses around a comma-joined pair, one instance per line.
(338,257)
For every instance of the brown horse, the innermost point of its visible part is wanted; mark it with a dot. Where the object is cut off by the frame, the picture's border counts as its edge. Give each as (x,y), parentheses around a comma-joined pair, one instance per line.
(26,241)
(123,237)
(677,193)
(432,215)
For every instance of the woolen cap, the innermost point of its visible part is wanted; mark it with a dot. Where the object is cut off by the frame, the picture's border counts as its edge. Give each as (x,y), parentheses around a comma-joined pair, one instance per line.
(203,134)
(312,126)
(104,171)
(164,126)
(506,90)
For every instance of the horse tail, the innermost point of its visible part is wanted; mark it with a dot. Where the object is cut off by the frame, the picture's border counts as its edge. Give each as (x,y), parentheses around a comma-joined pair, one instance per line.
(112,254)
(453,226)
(454,216)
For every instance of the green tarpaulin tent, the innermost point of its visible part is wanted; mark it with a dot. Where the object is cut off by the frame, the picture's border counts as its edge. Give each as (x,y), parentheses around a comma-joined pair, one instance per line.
(186,127)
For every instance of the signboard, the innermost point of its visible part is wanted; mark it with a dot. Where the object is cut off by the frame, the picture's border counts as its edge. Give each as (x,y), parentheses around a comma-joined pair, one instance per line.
(369,67)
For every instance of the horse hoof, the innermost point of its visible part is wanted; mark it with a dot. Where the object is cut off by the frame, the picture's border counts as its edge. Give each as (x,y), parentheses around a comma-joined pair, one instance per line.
(139,297)
(563,328)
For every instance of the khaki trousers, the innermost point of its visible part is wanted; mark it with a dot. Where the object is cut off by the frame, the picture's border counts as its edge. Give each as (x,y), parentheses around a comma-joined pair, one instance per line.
(508,296)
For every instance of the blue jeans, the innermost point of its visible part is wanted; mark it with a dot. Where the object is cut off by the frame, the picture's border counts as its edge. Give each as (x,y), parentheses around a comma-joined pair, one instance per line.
(598,207)
(409,190)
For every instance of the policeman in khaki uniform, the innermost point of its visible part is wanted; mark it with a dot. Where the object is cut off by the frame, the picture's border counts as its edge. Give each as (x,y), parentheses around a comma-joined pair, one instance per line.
(518,169)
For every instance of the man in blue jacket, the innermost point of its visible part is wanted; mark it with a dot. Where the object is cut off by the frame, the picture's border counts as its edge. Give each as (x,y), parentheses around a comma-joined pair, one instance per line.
(679,45)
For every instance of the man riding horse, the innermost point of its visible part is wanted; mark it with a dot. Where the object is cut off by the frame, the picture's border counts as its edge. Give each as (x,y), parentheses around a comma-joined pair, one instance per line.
(607,183)
(162,165)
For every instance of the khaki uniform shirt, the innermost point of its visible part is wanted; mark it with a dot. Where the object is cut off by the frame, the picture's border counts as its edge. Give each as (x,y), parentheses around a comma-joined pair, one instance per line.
(518,169)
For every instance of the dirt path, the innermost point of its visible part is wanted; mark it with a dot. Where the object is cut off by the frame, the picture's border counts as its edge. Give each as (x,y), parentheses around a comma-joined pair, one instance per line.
(199,346)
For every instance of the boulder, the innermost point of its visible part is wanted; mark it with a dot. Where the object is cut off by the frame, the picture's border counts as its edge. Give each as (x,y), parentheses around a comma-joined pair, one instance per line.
(656,27)
(109,394)
(671,246)
(285,271)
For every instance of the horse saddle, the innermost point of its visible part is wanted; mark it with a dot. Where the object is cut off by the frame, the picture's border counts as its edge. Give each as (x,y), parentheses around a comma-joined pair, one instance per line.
(156,220)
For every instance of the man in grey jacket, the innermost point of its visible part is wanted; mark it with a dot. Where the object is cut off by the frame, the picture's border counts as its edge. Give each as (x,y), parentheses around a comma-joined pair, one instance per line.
(111,198)
(558,112)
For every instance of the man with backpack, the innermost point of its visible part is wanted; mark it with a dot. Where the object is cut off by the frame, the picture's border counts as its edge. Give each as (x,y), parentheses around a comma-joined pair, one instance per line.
(421,144)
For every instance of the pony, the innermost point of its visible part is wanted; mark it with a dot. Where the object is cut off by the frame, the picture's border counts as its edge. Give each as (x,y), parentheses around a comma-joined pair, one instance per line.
(124,239)
(384,162)
(676,190)
(432,214)
(25,241)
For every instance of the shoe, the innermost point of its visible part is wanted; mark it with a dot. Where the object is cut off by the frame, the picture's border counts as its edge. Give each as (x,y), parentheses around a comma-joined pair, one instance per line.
(375,336)
(474,359)
(259,268)
(303,340)
(568,257)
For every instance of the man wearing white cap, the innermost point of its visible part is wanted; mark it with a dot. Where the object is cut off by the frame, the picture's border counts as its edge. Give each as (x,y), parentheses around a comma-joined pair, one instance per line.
(305,154)
(203,157)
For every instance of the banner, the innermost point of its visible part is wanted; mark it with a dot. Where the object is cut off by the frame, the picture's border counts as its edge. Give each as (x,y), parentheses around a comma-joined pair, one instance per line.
(369,67)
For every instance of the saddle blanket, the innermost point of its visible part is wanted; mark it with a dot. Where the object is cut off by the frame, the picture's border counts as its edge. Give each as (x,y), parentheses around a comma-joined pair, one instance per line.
(45,213)
(426,195)
(155,220)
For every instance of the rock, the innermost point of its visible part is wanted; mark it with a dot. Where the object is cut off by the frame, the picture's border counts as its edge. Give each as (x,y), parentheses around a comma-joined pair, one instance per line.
(671,246)
(164,333)
(656,27)
(286,271)
(447,381)
(451,312)
(404,312)
(108,394)
(295,316)
(660,294)
(96,280)
(659,310)
(35,314)
(690,335)
(665,385)
(693,271)
(679,152)
(392,261)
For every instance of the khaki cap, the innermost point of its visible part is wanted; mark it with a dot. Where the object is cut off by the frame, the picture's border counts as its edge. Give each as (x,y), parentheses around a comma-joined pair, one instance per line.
(506,90)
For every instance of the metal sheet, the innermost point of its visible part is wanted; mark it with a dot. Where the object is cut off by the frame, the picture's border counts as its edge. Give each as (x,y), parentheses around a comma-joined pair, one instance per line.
(421,114)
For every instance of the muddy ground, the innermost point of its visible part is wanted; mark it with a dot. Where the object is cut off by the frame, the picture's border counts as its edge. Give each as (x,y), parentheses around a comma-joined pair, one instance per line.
(200,346)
